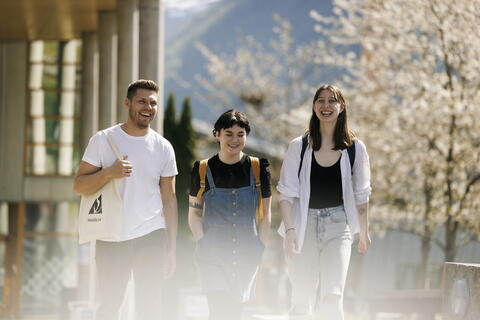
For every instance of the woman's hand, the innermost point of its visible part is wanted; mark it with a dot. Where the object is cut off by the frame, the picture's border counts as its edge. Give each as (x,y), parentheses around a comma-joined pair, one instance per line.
(364,242)
(264,225)
(291,243)
(199,235)
(170,264)
(195,221)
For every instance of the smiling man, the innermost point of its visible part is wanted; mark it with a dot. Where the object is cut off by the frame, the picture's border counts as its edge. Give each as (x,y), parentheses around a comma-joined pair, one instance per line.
(147,186)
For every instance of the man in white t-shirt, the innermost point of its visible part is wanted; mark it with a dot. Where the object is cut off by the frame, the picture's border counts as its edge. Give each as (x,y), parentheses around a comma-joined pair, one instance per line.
(146,250)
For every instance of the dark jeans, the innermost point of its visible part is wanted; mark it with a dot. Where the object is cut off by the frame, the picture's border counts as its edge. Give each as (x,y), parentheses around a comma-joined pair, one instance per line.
(141,259)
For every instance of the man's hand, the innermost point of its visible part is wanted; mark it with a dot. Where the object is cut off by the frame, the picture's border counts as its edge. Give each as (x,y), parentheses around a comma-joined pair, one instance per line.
(89,178)
(169,199)
(120,168)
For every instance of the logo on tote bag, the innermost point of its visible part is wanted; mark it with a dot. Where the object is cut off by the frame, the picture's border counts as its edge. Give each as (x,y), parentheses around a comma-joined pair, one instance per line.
(96,206)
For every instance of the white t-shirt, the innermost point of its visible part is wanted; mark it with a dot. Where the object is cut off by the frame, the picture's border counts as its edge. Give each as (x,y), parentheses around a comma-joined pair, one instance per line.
(152,157)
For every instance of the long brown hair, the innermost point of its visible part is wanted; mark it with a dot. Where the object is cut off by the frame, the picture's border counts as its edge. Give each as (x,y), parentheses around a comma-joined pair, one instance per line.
(343,137)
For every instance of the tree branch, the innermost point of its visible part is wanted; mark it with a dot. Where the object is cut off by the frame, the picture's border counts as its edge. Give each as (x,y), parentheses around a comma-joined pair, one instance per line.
(470,184)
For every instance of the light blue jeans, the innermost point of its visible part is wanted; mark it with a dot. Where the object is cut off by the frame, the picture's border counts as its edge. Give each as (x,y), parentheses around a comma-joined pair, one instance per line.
(323,261)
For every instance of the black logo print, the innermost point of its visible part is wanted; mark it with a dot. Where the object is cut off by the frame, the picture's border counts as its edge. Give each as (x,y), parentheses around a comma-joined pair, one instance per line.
(96,206)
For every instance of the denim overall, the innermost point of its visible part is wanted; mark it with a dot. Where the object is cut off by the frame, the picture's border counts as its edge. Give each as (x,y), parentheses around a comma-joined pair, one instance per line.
(230,251)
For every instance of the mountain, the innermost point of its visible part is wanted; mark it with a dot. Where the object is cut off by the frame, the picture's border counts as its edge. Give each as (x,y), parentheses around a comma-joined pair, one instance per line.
(218,27)
(177,17)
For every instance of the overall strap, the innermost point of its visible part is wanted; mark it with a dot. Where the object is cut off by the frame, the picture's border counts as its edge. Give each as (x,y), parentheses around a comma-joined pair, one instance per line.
(255,164)
(210,180)
(304,147)
(202,172)
(351,155)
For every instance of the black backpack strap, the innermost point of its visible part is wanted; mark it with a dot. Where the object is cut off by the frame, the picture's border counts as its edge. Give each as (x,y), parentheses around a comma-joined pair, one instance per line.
(351,155)
(304,147)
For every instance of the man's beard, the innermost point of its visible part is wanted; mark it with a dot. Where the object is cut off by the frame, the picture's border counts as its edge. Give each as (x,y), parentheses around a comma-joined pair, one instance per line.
(140,124)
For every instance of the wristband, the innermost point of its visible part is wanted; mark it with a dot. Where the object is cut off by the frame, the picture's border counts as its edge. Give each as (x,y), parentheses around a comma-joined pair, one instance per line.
(289,230)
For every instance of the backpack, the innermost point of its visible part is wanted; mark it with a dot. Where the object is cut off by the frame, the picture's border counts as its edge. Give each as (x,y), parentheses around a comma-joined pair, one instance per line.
(255,163)
(350,150)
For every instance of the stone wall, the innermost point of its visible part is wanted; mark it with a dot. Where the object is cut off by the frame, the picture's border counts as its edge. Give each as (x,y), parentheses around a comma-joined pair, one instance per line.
(461,297)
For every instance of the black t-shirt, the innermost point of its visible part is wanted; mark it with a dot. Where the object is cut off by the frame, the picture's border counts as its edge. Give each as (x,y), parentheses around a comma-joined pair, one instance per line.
(233,176)
(325,185)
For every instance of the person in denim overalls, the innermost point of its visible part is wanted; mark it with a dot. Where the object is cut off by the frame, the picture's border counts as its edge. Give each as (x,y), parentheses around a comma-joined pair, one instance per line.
(324,191)
(230,236)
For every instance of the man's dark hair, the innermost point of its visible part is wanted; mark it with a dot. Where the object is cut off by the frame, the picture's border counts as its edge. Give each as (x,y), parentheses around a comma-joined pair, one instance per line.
(230,118)
(141,84)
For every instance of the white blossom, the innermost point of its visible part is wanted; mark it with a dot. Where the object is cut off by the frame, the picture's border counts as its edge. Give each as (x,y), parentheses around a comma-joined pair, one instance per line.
(415,88)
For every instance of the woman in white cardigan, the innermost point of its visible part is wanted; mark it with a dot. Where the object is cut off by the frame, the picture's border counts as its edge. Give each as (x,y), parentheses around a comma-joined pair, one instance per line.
(324,202)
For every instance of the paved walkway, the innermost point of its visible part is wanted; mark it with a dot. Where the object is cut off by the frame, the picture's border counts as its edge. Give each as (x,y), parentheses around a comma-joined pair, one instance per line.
(267,317)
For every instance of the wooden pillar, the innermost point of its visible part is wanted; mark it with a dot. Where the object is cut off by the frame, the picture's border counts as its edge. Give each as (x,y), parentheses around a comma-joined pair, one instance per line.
(14,259)
(107,86)
(151,52)
(127,28)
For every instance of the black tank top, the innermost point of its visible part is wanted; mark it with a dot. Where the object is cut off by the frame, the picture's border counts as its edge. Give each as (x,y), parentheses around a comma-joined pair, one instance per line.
(325,185)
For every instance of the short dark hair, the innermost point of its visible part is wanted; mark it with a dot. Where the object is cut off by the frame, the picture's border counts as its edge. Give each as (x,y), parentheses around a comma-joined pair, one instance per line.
(141,84)
(230,118)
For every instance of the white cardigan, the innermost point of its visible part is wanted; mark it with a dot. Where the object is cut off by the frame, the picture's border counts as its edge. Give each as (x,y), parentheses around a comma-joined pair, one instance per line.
(355,188)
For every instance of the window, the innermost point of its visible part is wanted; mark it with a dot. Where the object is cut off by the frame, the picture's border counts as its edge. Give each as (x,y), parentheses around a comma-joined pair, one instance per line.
(53,125)
(50,265)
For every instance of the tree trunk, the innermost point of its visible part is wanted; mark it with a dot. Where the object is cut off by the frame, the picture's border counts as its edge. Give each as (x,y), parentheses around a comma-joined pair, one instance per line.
(425,255)
(451,228)
(427,230)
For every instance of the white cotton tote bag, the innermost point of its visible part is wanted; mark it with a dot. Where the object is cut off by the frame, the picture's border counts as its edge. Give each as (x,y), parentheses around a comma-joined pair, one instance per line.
(101,213)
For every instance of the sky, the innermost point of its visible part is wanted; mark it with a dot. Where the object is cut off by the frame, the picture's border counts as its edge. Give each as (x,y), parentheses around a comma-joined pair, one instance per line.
(186,4)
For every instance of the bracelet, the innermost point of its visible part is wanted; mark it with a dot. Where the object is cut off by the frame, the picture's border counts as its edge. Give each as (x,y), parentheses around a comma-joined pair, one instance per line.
(289,229)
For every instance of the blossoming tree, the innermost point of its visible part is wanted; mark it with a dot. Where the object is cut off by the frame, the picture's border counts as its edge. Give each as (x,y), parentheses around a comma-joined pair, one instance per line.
(411,73)
(415,85)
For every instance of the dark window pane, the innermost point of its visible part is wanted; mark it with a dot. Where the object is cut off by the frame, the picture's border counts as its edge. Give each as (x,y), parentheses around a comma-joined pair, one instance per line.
(50,51)
(48,135)
(52,159)
(77,106)
(50,76)
(51,102)
(76,159)
(41,159)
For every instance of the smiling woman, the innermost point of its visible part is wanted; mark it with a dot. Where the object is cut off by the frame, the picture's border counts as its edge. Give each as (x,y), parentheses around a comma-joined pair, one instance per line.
(325,188)
(226,202)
